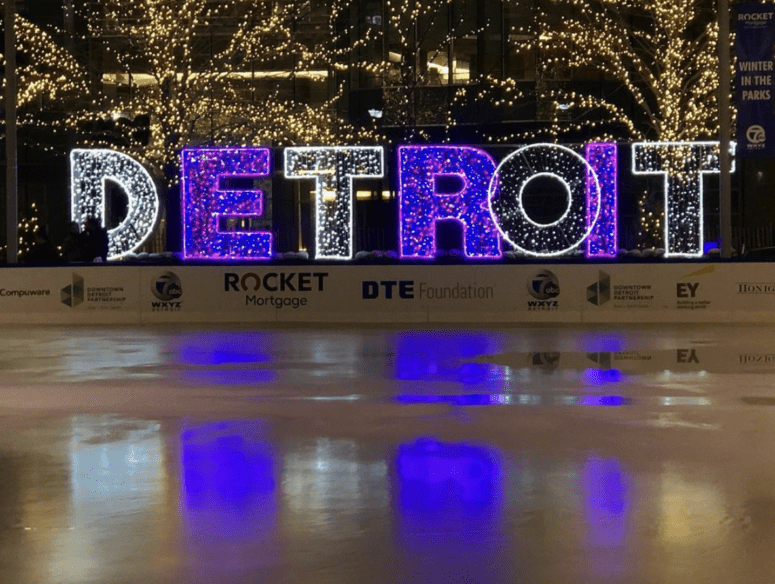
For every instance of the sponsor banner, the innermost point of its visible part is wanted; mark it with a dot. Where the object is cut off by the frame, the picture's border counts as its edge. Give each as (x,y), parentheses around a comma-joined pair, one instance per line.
(233,294)
(755,41)
(355,294)
(498,293)
(317,293)
(656,293)
(460,293)
(78,294)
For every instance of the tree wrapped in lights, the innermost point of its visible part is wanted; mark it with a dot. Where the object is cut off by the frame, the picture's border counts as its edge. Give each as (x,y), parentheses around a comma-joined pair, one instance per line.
(49,77)
(662,54)
(29,225)
(215,72)
(423,77)
(659,62)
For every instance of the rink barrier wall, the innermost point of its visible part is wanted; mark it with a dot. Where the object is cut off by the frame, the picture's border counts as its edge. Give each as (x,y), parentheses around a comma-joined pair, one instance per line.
(324,293)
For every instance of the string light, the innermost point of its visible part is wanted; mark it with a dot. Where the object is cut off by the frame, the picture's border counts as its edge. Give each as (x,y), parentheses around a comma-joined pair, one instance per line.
(488,202)
(27,229)
(333,169)
(89,171)
(207,202)
(166,85)
(47,72)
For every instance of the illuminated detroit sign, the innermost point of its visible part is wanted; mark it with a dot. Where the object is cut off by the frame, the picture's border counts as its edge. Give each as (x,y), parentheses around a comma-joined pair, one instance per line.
(435,183)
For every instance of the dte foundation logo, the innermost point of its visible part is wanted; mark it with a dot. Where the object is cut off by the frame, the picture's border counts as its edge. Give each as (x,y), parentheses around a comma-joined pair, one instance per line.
(544,286)
(73,294)
(409,290)
(371,289)
(167,288)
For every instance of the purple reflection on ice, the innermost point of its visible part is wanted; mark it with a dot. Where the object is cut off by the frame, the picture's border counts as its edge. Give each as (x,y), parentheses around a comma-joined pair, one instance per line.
(607,503)
(449,512)
(228,482)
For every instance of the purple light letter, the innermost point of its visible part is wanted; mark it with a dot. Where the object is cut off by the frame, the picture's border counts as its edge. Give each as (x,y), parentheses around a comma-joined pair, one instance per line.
(421,204)
(603,238)
(207,200)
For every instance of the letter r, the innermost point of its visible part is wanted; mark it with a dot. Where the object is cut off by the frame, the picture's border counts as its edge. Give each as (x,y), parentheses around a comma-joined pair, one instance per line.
(421,205)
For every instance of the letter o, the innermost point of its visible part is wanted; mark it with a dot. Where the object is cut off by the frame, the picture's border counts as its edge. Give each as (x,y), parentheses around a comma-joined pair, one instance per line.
(506,191)
(250,276)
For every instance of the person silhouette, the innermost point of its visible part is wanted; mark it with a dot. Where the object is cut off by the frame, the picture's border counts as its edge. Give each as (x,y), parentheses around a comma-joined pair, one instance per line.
(71,244)
(43,250)
(94,246)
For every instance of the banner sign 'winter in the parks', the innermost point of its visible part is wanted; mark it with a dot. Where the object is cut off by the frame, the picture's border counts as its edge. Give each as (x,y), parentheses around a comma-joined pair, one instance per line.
(488,198)
(754,79)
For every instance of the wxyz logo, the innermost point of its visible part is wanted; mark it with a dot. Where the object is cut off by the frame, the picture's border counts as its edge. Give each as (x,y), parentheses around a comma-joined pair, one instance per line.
(171,305)
(543,304)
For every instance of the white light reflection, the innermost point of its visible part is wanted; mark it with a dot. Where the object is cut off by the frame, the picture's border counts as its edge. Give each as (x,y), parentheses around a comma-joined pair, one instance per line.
(326,482)
(117,473)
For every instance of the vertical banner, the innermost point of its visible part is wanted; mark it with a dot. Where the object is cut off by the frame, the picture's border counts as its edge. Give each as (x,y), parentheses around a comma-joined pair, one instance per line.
(754,80)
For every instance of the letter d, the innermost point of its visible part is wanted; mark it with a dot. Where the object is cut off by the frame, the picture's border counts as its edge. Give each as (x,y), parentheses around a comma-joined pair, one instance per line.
(89,170)
(370,290)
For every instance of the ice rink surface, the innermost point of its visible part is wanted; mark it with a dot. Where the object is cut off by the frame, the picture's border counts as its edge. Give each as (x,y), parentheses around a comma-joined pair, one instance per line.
(546,454)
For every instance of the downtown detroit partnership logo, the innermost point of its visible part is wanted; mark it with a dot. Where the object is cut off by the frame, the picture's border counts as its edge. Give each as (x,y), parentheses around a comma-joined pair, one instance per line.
(95,297)
(626,296)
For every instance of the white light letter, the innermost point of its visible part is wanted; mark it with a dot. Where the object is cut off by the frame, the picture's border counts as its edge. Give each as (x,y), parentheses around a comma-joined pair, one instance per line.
(683,165)
(333,169)
(507,189)
(89,171)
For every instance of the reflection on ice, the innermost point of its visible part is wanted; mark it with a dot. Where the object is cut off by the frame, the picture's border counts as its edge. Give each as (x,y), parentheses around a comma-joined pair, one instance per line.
(434,475)
(229,377)
(607,508)
(520,399)
(445,356)
(219,348)
(228,496)
(607,501)
(225,358)
(111,457)
(603,341)
(108,499)
(450,507)
(602,376)
(116,483)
